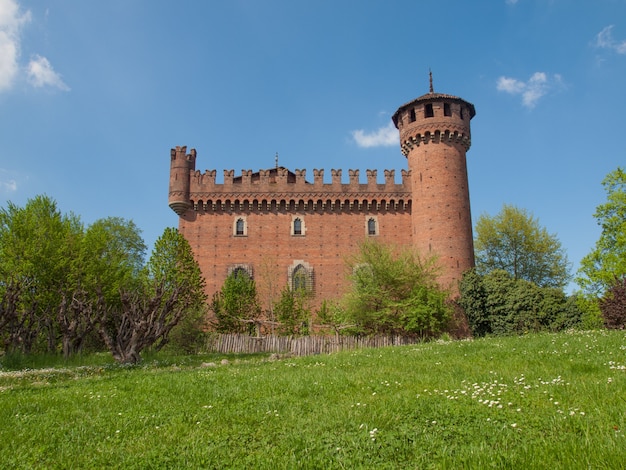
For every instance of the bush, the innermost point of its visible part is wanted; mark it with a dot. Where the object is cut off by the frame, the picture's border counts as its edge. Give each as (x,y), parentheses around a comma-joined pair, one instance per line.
(394,291)
(496,303)
(613,305)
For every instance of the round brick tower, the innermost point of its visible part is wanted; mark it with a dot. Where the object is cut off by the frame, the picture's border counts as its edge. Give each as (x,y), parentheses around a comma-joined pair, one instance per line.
(434,136)
(180,167)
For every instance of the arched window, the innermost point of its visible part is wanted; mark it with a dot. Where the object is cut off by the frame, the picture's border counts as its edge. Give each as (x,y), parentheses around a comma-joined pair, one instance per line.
(300,275)
(240,272)
(240,228)
(371,226)
(297,227)
(299,278)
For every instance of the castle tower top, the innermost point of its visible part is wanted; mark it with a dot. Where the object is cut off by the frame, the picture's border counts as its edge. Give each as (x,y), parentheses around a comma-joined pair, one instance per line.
(431,97)
(434,115)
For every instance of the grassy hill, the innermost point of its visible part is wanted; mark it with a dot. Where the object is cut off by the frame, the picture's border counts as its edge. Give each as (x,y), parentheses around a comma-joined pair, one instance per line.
(540,401)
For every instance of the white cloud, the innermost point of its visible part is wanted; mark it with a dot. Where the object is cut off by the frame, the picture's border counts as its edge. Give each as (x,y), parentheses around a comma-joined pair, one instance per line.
(39,71)
(604,40)
(7,183)
(40,74)
(11,22)
(510,85)
(9,186)
(382,137)
(537,86)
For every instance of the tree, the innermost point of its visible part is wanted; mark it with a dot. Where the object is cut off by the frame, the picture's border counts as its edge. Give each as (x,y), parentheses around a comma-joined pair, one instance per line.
(110,258)
(613,305)
(172,286)
(396,292)
(236,306)
(292,310)
(267,275)
(514,241)
(37,246)
(607,260)
(332,315)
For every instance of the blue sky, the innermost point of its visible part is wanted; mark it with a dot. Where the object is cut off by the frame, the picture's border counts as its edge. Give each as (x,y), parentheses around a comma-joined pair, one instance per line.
(94,94)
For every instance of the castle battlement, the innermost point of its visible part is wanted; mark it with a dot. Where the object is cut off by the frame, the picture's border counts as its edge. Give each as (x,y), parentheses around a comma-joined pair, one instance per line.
(282,180)
(283,190)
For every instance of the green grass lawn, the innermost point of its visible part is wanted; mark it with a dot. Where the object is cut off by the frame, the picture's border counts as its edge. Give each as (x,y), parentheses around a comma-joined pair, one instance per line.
(540,401)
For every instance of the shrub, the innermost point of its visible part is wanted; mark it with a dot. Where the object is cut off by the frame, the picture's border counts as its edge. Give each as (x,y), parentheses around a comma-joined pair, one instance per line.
(613,305)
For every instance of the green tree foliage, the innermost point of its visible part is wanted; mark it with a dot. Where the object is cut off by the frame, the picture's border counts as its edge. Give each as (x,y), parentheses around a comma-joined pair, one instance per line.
(395,292)
(591,316)
(497,303)
(112,255)
(61,283)
(172,286)
(514,241)
(613,305)
(236,306)
(607,260)
(110,258)
(37,245)
(332,315)
(292,311)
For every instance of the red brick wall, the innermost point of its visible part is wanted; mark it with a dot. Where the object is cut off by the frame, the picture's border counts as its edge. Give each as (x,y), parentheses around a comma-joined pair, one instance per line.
(331,236)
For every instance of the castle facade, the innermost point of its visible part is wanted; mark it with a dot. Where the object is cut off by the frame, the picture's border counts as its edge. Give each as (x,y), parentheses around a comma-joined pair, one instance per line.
(284,228)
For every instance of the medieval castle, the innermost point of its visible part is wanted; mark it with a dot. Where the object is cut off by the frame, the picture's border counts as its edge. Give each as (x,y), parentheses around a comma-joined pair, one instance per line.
(282,229)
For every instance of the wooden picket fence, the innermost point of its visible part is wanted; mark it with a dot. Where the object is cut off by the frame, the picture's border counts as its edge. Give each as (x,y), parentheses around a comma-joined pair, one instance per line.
(300,345)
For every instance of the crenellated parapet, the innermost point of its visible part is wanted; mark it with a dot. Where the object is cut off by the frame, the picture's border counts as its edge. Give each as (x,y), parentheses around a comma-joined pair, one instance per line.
(281,189)
(281,179)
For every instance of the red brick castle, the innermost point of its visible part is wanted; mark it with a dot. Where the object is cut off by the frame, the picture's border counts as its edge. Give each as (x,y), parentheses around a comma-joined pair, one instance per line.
(281,228)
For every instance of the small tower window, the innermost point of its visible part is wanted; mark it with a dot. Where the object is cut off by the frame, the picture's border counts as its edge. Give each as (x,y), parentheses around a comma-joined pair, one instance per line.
(240,229)
(371,226)
(446,109)
(462,112)
(297,226)
(412,116)
(428,110)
